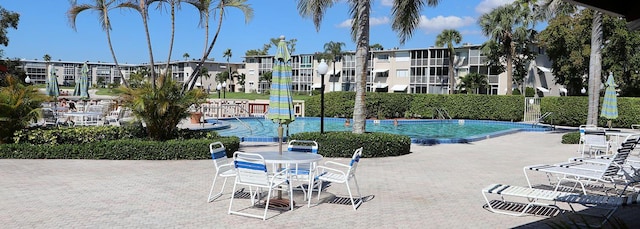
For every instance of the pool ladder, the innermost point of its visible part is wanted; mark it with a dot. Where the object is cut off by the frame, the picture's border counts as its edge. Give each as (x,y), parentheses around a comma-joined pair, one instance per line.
(442,113)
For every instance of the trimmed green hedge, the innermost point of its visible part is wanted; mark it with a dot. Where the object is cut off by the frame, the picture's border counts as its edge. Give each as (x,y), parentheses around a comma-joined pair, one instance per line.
(343,144)
(572,111)
(571,138)
(400,105)
(126,149)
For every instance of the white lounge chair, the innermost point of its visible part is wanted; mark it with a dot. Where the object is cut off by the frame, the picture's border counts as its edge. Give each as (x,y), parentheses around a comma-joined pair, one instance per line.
(548,198)
(251,171)
(340,173)
(224,168)
(593,141)
(303,172)
(607,173)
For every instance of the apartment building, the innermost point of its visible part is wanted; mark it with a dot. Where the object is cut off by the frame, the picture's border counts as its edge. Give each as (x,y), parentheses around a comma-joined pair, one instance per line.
(414,71)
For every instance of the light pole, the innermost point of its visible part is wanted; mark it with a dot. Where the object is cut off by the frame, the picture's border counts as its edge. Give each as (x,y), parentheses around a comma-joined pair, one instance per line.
(218,88)
(224,90)
(27,80)
(322,69)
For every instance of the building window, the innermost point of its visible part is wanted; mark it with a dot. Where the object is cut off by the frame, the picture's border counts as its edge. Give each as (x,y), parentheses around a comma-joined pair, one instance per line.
(402,73)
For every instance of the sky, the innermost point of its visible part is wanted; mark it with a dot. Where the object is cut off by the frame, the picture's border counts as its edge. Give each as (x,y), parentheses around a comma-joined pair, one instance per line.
(44,28)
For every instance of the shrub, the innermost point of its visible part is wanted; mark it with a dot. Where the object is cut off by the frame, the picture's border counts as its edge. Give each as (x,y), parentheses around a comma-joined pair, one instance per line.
(571,138)
(19,105)
(126,149)
(343,144)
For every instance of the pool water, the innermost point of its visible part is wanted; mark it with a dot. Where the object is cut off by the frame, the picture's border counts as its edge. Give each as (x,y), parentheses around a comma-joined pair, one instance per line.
(420,131)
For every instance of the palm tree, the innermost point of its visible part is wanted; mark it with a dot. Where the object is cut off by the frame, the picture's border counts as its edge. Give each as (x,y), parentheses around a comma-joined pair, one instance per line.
(449,37)
(472,82)
(227,54)
(47,59)
(142,7)
(500,26)
(222,6)
(335,49)
(185,56)
(406,17)
(102,7)
(172,4)
(376,46)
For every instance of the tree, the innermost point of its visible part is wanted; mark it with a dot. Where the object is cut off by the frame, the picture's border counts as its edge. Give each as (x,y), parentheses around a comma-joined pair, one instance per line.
(172,4)
(221,7)
(406,17)
(102,7)
(8,19)
(142,7)
(19,104)
(227,54)
(185,56)
(47,60)
(376,46)
(473,82)
(449,37)
(504,25)
(335,50)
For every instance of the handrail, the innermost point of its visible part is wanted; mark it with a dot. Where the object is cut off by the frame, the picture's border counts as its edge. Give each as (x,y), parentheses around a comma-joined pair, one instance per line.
(442,113)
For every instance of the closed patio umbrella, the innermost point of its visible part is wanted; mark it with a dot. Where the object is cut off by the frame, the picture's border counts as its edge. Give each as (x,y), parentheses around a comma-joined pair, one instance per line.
(610,104)
(53,90)
(280,101)
(84,82)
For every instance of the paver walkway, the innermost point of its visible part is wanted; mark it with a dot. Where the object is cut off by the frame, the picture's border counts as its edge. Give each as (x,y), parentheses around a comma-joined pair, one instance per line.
(433,187)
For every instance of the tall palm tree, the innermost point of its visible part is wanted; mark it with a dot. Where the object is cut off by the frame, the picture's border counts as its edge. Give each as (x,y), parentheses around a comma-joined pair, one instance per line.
(227,54)
(102,7)
(142,7)
(335,49)
(47,59)
(173,4)
(185,56)
(221,7)
(406,17)
(449,37)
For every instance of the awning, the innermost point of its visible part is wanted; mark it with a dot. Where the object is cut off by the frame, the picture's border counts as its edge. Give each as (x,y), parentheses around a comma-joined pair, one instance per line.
(380,85)
(399,87)
(316,85)
(544,69)
(542,89)
(380,70)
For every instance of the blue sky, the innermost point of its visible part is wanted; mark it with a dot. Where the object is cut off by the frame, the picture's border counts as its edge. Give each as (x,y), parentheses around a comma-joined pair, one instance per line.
(44,29)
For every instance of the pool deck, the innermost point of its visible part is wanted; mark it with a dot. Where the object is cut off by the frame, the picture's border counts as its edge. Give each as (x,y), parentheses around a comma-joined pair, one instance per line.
(435,186)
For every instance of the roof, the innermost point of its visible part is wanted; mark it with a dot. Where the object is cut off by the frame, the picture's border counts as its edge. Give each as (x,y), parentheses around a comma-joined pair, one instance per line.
(614,8)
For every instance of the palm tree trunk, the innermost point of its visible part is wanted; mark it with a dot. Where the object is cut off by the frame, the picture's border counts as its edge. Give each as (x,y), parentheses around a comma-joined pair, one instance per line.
(173,29)
(452,79)
(113,54)
(192,79)
(146,30)
(362,63)
(595,69)
(509,58)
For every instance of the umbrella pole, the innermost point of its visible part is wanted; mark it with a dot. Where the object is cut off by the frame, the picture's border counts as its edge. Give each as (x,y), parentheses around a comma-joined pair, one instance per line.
(280,151)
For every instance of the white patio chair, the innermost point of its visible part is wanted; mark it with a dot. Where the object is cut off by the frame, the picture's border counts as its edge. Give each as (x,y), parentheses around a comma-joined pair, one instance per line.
(593,141)
(224,168)
(303,172)
(251,171)
(49,117)
(342,174)
(608,173)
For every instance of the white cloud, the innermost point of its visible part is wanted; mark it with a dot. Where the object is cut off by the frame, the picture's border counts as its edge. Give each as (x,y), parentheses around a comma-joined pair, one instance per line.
(487,5)
(372,22)
(386,2)
(440,23)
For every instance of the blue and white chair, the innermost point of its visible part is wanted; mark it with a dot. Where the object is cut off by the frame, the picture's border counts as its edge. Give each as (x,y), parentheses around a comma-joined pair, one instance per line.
(251,171)
(224,167)
(341,173)
(303,172)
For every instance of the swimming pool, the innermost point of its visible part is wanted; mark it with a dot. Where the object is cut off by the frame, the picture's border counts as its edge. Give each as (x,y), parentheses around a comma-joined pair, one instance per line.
(420,131)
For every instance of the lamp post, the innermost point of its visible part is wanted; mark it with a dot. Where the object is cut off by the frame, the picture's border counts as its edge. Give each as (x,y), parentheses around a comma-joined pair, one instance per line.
(224,90)
(218,88)
(322,69)
(27,80)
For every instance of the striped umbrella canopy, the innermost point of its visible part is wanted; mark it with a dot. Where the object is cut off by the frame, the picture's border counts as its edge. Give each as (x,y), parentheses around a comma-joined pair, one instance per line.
(52,84)
(280,101)
(84,82)
(610,103)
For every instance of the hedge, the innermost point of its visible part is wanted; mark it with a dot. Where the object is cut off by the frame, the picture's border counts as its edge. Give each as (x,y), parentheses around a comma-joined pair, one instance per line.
(126,149)
(572,111)
(343,144)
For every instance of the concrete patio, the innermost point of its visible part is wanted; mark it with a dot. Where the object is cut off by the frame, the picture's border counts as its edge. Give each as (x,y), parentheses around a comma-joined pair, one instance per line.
(433,187)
